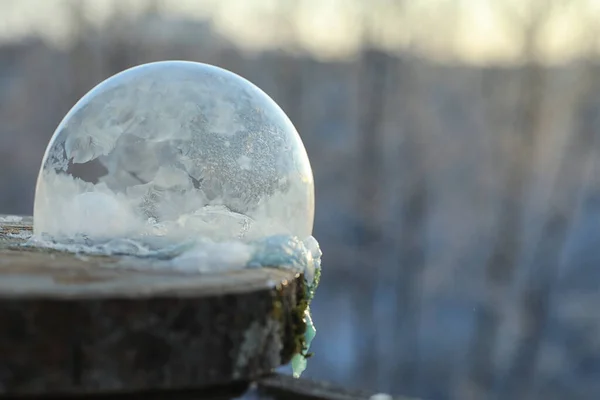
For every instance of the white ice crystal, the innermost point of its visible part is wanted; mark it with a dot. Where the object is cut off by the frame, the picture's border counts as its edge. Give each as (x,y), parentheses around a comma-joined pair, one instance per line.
(175,149)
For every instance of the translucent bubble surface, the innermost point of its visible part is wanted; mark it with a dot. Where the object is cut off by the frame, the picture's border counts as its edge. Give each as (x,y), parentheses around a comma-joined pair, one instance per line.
(175,150)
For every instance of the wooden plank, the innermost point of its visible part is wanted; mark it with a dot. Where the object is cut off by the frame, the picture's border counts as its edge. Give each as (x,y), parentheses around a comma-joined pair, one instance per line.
(230,391)
(81,325)
(271,387)
(285,387)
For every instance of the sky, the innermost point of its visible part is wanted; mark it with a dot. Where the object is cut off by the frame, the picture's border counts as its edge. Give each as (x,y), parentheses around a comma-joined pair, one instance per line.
(472,31)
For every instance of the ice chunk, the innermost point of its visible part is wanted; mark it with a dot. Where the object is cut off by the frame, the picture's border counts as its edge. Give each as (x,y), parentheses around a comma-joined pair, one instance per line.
(13,219)
(214,257)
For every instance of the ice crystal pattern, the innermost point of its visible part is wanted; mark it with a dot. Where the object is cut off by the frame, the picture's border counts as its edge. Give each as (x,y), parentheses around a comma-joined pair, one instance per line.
(175,149)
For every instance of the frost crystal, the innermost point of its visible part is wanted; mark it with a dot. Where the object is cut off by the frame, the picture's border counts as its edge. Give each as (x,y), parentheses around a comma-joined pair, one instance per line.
(175,149)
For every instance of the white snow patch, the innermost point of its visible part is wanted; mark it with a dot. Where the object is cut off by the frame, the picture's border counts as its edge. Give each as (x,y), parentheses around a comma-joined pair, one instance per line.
(11,219)
(381,396)
(24,234)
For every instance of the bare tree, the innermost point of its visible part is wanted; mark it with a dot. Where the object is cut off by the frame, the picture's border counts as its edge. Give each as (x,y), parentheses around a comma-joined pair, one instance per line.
(291,67)
(383,76)
(507,246)
(79,54)
(504,255)
(410,240)
(535,301)
(374,70)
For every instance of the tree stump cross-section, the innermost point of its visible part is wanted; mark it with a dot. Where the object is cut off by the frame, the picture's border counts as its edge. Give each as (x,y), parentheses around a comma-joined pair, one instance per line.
(73,324)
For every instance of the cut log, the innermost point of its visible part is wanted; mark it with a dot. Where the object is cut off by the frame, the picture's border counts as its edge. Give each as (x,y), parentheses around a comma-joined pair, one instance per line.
(74,324)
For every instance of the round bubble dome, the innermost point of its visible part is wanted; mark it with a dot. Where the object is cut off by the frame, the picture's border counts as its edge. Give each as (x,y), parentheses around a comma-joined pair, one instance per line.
(175,149)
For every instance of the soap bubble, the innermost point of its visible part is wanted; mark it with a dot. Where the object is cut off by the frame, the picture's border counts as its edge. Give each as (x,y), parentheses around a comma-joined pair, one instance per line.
(176,150)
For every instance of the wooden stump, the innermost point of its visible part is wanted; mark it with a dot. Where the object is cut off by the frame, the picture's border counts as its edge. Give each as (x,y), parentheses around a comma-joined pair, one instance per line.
(73,324)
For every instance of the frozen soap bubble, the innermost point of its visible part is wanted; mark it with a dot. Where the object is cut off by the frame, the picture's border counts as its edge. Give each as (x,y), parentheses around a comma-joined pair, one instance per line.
(175,150)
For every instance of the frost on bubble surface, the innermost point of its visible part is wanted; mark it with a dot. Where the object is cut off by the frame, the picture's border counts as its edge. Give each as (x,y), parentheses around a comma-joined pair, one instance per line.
(175,149)
(184,162)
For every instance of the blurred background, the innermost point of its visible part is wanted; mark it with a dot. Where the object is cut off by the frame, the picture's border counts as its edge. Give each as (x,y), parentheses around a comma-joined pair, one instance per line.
(456,154)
